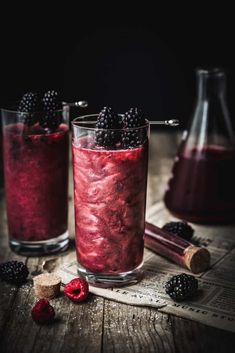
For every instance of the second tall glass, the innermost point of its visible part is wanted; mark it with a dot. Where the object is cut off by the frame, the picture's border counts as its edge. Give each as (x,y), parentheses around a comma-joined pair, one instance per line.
(110,199)
(36,183)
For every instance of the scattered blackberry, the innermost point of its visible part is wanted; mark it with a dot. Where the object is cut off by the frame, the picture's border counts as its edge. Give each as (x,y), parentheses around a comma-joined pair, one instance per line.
(182,229)
(28,107)
(181,287)
(108,121)
(51,117)
(13,272)
(133,119)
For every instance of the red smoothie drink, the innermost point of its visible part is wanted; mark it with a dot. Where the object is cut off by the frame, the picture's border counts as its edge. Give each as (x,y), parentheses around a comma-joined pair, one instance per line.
(110,197)
(110,194)
(36,178)
(35,153)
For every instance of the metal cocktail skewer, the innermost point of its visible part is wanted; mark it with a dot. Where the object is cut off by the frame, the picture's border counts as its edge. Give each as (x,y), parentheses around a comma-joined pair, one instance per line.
(171,122)
(81,104)
(84,104)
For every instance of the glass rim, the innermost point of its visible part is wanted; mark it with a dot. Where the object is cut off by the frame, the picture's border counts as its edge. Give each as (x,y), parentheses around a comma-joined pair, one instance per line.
(77,123)
(210,71)
(36,112)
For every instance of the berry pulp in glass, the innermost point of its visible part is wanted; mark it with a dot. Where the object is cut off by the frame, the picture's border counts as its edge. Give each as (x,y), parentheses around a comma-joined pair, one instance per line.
(110,199)
(36,181)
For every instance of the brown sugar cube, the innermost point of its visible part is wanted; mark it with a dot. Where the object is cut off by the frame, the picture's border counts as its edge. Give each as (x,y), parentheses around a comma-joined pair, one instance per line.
(47,285)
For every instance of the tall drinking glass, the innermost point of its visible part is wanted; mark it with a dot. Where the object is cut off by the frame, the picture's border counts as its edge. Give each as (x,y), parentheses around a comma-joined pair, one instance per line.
(110,199)
(1,163)
(36,182)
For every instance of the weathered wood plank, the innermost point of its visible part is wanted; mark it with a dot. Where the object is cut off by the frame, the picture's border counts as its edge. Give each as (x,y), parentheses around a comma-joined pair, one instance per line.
(8,293)
(77,328)
(19,334)
(83,327)
(135,329)
(190,336)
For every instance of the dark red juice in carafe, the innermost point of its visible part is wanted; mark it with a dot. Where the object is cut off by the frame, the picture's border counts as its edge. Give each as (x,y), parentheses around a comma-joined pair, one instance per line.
(202,186)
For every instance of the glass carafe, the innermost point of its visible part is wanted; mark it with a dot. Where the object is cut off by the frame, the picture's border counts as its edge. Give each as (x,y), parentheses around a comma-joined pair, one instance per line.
(202,185)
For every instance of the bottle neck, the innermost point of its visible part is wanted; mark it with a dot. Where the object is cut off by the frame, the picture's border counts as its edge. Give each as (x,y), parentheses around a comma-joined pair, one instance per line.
(211,84)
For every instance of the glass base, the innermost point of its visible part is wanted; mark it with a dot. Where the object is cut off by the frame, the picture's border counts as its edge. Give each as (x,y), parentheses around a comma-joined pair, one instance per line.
(105,280)
(37,248)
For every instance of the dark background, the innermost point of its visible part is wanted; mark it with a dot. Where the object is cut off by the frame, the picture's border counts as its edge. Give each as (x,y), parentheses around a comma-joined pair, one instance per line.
(141,56)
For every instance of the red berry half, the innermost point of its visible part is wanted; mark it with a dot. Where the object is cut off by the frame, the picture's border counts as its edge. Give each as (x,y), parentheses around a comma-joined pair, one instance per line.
(77,289)
(43,312)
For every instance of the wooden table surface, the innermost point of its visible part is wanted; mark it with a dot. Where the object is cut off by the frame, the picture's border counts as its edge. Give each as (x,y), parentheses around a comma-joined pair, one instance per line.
(101,325)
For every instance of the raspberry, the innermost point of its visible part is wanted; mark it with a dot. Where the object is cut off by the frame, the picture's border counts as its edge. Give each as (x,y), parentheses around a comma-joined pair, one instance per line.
(182,229)
(181,287)
(14,272)
(133,136)
(43,312)
(77,289)
(28,107)
(108,121)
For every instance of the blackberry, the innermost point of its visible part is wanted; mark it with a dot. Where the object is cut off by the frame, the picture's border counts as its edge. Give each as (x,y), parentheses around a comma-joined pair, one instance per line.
(108,121)
(13,272)
(182,229)
(181,287)
(51,104)
(51,101)
(133,119)
(51,120)
(29,105)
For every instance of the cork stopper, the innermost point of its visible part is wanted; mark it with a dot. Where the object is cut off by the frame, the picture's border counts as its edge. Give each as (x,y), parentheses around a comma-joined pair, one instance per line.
(196,259)
(47,285)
